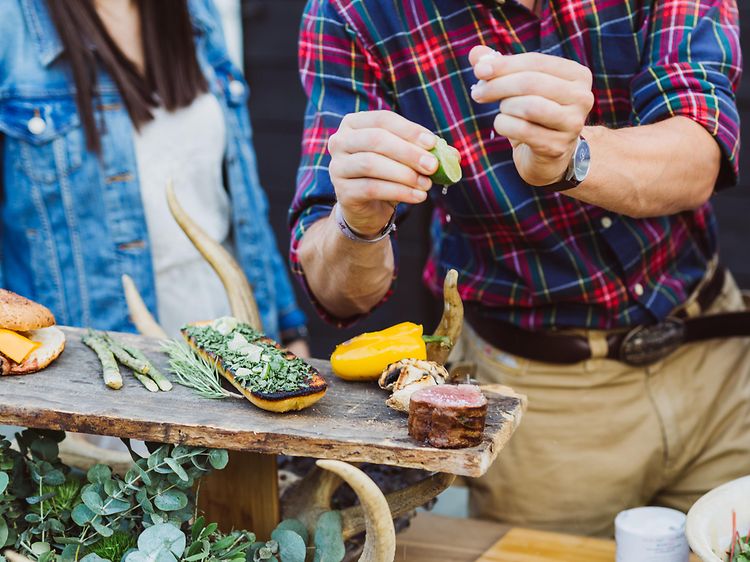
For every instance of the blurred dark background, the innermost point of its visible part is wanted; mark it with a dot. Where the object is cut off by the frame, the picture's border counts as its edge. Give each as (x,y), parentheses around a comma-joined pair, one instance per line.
(277,105)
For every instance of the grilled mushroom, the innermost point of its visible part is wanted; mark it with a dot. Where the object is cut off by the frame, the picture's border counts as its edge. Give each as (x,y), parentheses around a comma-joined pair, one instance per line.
(407,376)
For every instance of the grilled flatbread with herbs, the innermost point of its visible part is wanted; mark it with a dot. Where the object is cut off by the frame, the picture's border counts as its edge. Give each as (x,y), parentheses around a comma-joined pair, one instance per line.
(269,376)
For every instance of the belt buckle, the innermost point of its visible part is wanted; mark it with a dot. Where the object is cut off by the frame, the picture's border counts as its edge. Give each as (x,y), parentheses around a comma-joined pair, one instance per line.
(645,345)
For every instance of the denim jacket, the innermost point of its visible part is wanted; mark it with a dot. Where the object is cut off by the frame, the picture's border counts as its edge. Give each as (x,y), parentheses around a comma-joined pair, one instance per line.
(72,222)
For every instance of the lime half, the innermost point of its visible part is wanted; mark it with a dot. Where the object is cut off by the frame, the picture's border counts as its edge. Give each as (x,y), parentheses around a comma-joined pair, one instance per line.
(449,164)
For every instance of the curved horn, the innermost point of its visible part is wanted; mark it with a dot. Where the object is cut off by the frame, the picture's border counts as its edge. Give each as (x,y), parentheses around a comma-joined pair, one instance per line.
(452,321)
(354,519)
(240,294)
(311,497)
(380,541)
(139,313)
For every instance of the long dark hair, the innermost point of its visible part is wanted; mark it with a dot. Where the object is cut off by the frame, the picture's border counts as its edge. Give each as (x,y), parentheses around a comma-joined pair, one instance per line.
(172,74)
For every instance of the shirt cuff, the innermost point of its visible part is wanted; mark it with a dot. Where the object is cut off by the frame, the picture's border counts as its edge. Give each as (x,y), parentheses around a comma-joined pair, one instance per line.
(696,91)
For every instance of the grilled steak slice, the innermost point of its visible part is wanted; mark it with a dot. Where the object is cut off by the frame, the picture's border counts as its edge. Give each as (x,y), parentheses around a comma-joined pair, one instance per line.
(448,416)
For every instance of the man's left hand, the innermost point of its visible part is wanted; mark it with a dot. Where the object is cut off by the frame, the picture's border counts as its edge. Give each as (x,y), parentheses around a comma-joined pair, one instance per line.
(544,103)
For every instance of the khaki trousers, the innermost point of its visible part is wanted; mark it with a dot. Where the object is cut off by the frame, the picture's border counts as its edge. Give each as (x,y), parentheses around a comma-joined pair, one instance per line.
(600,436)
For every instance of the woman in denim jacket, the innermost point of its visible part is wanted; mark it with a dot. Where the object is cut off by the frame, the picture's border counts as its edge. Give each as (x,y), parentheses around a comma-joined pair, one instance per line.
(82,188)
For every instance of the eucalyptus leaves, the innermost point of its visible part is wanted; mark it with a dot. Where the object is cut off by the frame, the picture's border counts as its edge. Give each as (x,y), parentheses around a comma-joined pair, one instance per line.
(52,513)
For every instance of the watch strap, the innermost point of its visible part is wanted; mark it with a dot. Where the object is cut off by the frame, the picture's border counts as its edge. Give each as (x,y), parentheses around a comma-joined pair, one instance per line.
(569,180)
(347,230)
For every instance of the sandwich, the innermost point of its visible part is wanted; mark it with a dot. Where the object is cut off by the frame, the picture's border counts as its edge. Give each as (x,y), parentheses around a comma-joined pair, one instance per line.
(269,376)
(29,339)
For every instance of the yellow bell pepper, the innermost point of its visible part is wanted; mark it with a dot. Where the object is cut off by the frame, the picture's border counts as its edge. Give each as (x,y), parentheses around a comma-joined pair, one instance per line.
(363,358)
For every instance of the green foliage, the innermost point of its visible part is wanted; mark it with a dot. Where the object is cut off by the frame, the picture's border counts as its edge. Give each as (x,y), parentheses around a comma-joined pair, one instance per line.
(51,513)
(329,546)
(206,544)
(114,547)
(741,549)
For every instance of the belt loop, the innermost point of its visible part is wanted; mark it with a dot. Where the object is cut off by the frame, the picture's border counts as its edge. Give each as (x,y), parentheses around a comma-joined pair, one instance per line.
(598,343)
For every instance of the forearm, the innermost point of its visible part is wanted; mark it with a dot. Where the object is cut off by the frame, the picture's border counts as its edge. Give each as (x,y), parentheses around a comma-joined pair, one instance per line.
(347,278)
(652,170)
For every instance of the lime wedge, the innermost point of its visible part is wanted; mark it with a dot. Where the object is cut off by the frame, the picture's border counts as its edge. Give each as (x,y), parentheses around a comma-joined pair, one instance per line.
(449,164)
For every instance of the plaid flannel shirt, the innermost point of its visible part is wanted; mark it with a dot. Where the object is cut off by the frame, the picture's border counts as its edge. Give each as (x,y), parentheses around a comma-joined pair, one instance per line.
(530,257)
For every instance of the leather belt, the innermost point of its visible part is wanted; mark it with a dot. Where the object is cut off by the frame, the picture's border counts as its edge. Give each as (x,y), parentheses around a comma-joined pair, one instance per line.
(639,346)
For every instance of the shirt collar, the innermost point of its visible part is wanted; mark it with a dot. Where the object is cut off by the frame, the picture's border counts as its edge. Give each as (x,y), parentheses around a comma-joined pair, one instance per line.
(43,32)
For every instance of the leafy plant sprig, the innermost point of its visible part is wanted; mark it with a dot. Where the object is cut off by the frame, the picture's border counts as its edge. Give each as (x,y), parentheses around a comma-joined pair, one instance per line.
(195,371)
(52,513)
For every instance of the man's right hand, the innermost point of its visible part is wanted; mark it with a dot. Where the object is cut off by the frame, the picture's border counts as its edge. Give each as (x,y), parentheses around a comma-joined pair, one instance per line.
(379,159)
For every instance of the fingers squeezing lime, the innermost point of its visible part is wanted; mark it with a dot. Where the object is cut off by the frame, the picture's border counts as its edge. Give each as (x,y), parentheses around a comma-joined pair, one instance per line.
(449,164)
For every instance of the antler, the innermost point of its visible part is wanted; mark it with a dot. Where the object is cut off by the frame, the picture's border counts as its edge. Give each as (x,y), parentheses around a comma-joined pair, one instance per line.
(240,294)
(139,313)
(380,540)
(452,321)
(312,495)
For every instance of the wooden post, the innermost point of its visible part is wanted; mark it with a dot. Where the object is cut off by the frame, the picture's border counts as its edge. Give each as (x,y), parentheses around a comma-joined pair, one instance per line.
(245,495)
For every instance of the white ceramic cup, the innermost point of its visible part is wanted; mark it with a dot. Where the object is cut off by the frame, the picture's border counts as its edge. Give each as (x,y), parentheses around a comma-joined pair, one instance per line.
(651,534)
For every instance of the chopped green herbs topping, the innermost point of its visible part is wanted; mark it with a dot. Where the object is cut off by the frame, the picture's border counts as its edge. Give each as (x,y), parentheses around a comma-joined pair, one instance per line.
(257,365)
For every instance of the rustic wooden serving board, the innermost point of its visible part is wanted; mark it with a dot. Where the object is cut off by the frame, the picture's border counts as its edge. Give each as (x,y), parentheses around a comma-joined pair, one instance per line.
(350,423)
(526,545)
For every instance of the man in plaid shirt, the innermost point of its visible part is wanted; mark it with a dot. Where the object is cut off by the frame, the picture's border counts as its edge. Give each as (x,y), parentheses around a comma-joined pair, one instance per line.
(592,134)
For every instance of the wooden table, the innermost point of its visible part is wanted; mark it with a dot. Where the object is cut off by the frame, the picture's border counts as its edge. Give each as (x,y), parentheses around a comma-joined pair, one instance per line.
(351,423)
(432,538)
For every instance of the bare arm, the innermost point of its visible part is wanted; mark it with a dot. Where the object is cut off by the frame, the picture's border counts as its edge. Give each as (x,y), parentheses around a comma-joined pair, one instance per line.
(378,159)
(650,170)
(347,278)
(654,170)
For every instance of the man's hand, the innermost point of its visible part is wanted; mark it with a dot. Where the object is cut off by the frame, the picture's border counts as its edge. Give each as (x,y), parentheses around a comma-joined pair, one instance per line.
(544,102)
(379,159)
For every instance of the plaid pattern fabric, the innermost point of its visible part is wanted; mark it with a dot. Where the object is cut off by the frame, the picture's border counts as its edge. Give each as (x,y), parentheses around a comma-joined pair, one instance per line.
(530,257)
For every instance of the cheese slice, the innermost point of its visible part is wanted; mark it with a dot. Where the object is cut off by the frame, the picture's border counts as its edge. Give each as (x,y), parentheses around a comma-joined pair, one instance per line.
(15,346)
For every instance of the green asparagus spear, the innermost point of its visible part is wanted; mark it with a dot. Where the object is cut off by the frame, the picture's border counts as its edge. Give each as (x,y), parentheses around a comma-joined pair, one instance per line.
(110,369)
(124,357)
(146,381)
(153,372)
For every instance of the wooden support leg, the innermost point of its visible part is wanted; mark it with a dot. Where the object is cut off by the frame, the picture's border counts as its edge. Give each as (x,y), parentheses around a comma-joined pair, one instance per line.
(245,495)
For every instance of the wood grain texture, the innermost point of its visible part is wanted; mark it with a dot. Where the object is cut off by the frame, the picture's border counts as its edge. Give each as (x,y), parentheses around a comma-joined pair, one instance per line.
(244,495)
(435,538)
(351,423)
(526,545)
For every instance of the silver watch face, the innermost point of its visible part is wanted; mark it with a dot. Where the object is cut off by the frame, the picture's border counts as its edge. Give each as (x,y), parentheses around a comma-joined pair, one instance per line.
(582,160)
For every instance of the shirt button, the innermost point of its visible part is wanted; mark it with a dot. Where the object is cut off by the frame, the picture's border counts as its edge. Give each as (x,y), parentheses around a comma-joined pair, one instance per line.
(606,222)
(447,218)
(638,289)
(236,89)
(36,125)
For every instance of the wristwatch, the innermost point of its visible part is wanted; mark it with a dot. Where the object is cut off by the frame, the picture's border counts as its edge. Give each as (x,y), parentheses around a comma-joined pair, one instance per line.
(578,169)
(347,230)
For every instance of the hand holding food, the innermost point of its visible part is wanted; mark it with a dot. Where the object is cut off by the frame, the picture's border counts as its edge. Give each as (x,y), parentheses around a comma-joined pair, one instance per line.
(29,340)
(379,159)
(544,102)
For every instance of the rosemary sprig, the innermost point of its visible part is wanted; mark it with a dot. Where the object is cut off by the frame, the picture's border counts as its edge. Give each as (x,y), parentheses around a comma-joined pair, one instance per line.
(195,371)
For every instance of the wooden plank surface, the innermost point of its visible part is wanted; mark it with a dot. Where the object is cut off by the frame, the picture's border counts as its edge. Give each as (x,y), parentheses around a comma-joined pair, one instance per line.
(526,545)
(435,538)
(350,423)
(245,495)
